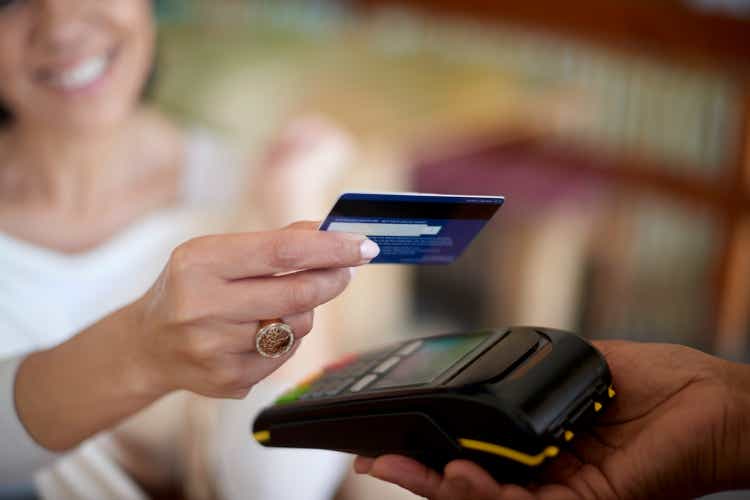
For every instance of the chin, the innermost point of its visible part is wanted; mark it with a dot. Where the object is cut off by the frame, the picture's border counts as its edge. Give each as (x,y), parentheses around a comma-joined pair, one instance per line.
(92,120)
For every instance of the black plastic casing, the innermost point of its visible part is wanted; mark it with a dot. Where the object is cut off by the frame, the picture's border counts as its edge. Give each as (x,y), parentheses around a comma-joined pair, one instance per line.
(520,389)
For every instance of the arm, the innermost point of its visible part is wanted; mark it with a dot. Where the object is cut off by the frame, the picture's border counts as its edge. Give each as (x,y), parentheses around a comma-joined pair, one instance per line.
(679,428)
(194,330)
(26,455)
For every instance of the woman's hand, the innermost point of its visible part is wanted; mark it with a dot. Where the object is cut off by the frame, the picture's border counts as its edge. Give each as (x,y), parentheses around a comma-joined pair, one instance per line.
(194,329)
(678,428)
(196,326)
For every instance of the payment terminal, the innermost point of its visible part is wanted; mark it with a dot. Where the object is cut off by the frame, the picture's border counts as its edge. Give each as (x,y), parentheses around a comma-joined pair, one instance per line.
(508,399)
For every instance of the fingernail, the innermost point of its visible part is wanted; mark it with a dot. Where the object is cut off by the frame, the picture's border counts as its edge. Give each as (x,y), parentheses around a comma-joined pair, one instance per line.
(368,249)
(352,271)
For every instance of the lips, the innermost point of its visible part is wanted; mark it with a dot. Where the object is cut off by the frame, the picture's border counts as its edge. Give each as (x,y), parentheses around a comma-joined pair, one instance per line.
(82,74)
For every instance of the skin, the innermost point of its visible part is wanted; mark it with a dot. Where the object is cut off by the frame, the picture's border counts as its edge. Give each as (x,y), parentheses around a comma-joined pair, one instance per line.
(80,163)
(77,165)
(194,329)
(74,171)
(678,428)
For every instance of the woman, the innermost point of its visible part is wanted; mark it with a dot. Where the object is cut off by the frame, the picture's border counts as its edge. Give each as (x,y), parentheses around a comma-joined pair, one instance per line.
(95,192)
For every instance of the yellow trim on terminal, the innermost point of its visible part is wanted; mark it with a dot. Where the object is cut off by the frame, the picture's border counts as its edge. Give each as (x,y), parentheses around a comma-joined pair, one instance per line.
(611,392)
(569,435)
(597,406)
(496,449)
(262,436)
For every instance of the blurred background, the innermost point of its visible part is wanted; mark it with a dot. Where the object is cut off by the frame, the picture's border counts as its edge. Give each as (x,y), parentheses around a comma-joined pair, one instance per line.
(618,130)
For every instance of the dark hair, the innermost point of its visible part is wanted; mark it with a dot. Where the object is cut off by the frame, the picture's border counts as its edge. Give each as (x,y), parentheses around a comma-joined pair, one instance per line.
(5,116)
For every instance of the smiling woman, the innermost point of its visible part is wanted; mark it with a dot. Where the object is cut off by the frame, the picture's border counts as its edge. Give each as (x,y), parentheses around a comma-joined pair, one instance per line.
(113,307)
(80,76)
(49,77)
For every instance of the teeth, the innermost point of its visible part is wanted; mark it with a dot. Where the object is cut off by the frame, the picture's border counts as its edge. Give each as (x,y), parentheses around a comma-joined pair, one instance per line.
(83,74)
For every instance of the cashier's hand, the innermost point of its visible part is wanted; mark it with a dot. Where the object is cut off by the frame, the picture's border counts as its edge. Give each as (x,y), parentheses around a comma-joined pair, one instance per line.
(679,427)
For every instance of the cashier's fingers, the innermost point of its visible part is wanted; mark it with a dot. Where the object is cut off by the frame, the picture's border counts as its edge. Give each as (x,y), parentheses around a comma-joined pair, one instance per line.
(362,465)
(480,483)
(463,475)
(463,480)
(404,472)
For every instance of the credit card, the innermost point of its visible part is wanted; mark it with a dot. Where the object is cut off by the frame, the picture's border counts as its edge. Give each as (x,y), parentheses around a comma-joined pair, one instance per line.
(413,228)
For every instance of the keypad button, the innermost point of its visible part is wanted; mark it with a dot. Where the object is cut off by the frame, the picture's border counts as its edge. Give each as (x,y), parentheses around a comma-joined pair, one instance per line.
(338,386)
(311,395)
(355,370)
(327,387)
(387,364)
(381,353)
(410,348)
(363,382)
(341,363)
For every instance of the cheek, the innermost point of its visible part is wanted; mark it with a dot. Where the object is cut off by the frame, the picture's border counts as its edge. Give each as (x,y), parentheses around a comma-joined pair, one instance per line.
(133,23)
(12,67)
(135,18)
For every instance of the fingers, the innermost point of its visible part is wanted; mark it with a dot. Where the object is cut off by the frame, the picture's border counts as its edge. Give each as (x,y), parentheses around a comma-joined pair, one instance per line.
(237,373)
(241,337)
(282,296)
(408,474)
(362,465)
(463,480)
(246,255)
(301,323)
(475,479)
(257,367)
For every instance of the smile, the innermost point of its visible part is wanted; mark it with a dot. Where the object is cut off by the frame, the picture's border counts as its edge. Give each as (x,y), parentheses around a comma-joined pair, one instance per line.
(83,74)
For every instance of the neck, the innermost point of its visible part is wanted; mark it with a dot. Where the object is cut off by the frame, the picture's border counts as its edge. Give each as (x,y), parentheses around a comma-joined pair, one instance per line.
(54,168)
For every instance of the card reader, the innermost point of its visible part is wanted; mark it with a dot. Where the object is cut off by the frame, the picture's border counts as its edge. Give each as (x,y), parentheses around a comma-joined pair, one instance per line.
(508,399)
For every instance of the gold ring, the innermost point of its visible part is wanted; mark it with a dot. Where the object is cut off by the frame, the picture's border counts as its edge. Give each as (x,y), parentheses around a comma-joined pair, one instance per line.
(274,338)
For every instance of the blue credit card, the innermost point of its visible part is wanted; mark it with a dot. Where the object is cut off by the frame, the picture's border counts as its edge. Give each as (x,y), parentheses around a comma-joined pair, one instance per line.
(413,228)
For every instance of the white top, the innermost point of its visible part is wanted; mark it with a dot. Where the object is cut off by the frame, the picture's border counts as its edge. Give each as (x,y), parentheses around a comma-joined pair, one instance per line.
(47,296)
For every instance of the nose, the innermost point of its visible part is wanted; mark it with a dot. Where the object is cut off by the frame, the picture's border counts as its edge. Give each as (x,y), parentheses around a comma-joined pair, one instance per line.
(60,24)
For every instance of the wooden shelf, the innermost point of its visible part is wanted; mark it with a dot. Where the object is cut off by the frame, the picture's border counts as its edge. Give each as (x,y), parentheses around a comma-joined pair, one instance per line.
(666,29)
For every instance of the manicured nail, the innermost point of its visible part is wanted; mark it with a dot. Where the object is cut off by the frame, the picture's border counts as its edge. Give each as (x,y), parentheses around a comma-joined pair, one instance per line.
(352,271)
(369,250)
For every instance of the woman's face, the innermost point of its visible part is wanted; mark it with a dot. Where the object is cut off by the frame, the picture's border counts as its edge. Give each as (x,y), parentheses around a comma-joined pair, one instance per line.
(77,65)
